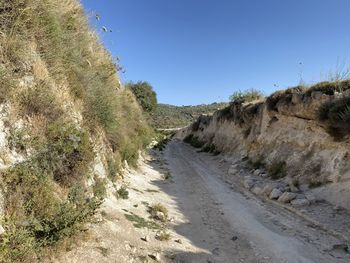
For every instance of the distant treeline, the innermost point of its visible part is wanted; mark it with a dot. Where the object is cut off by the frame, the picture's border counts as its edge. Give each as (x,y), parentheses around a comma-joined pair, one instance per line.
(170,116)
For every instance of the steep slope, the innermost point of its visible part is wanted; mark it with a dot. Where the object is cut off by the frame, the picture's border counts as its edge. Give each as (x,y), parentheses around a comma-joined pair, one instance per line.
(300,136)
(66,126)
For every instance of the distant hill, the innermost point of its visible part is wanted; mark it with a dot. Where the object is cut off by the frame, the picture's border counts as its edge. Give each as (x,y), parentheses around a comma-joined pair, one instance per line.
(170,116)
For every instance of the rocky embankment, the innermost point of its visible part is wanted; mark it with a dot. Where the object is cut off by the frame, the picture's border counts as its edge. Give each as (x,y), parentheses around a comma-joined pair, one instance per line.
(295,153)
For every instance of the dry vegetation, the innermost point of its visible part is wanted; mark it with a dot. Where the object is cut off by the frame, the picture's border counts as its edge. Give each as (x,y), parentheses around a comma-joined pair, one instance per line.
(52,68)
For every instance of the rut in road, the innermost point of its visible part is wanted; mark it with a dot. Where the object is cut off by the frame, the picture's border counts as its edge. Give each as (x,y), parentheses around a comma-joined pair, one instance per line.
(231,225)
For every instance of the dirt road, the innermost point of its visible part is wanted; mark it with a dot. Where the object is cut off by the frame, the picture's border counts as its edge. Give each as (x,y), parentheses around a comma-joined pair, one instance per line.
(232,225)
(212,218)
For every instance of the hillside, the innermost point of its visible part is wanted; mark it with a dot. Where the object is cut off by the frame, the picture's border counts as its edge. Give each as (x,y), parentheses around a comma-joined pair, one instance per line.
(67,128)
(170,116)
(299,135)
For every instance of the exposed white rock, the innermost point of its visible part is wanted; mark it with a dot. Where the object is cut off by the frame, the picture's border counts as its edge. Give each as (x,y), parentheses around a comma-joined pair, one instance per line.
(2,230)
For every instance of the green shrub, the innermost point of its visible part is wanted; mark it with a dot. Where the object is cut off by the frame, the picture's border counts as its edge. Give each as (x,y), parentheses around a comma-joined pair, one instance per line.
(99,188)
(329,88)
(210,148)
(170,116)
(161,145)
(37,216)
(163,236)
(256,164)
(315,184)
(336,115)
(67,154)
(112,169)
(246,96)
(194,141)
(122,193)
(145,95)
(277,170)
(17,243)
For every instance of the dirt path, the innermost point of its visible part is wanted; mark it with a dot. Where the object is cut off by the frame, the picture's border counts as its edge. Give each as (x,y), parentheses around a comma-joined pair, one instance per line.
(233,226)
(212,219)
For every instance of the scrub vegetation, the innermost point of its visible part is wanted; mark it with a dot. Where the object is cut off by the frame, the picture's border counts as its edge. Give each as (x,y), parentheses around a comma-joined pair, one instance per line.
(63,85)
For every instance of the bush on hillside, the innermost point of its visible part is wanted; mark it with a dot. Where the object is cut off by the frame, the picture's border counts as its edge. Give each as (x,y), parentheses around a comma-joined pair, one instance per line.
(246,96)
(144,94)
(52,69)
(194,141)
(329,88)
(169,116)
(336,115)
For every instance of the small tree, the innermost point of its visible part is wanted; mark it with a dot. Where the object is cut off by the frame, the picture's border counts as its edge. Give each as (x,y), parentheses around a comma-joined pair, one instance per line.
(144,94)
(246,96)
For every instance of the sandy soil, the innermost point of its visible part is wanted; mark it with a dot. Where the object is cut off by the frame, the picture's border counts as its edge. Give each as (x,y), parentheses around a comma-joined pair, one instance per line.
(211,219)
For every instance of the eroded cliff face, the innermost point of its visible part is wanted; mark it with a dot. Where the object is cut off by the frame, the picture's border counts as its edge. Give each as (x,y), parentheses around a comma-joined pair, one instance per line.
(285,131)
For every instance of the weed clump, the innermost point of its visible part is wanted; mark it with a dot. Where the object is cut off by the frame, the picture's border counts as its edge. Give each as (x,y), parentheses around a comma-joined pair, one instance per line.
(194,141)
(159,212)
(122,193)
(277,170)
(246,96)
(140,222)
(256,164)
(315,184)
(336,115)
(329,88)
(163,236)
(210,148)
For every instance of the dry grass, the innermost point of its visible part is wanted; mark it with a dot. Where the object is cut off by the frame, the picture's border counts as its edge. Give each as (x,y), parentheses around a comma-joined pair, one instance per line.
(52,65)
(155,209)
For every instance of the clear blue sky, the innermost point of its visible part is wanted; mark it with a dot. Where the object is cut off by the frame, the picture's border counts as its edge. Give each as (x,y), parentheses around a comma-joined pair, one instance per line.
(200,51)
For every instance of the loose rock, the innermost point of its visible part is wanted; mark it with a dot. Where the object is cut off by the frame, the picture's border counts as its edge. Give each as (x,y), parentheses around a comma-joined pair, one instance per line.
(286,197)
(145,238)
(268,189)
(275,194)
(300,202)
(248,183)
(257,190)
(155,256)
(232,170)
(160,216)
(257,172)
(178,241)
